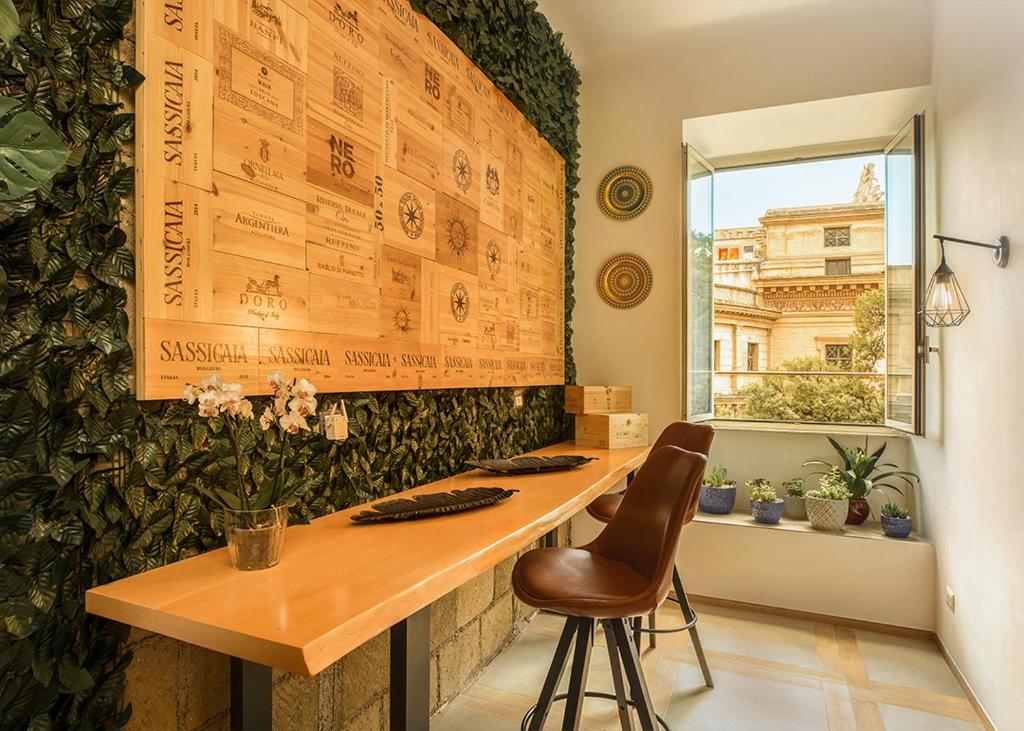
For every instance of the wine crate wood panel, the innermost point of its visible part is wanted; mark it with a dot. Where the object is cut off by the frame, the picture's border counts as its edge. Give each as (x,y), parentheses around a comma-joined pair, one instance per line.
(331,187)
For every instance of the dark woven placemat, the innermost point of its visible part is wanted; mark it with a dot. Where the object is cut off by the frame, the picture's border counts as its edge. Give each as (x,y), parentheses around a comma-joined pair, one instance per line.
(530,465)
(432,504)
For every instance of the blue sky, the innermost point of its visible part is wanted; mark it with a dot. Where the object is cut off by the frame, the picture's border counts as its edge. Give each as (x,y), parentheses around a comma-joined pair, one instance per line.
(741,196)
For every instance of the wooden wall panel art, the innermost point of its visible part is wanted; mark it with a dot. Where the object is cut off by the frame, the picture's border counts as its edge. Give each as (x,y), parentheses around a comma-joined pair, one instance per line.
(333,188)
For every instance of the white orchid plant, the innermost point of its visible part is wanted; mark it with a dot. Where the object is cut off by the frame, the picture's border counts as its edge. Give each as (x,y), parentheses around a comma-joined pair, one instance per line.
(265,483)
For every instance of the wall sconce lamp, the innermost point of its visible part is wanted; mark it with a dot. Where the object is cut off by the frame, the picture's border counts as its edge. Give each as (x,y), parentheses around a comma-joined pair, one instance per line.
(944,301)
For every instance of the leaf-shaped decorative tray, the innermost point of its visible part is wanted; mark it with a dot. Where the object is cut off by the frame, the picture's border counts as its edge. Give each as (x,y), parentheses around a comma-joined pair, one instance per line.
(530,465)
(431,504)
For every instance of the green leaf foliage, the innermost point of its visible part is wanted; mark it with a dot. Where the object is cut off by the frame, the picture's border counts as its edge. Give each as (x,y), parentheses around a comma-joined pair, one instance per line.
(8,21)
(95,486)
(30,152)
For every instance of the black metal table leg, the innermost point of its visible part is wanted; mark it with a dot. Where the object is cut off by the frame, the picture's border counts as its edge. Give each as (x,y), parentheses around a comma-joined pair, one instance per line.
(252,696)
(410,673)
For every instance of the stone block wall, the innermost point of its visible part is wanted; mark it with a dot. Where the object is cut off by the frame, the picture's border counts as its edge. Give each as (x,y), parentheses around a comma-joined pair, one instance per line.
(173,686)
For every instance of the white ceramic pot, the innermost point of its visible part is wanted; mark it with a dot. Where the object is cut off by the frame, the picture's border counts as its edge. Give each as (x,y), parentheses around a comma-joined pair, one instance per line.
(827,514)
(795,508)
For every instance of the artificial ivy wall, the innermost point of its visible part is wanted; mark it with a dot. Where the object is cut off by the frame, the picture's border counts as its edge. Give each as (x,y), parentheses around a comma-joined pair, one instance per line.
(94,485)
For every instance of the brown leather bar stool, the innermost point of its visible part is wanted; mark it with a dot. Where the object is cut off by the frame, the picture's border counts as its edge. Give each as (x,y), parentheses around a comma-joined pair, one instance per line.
(625,572)
(693,438)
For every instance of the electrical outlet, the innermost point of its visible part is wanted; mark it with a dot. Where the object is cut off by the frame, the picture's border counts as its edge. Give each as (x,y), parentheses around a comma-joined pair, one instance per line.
(517,397)
(950,600)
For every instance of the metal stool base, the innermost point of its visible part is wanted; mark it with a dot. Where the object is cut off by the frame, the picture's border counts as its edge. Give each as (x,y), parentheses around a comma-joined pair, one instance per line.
(589,694)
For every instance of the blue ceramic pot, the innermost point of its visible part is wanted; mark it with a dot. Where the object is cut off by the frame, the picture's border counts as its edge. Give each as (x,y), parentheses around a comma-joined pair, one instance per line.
(767,513)
(897,527)
(717,500)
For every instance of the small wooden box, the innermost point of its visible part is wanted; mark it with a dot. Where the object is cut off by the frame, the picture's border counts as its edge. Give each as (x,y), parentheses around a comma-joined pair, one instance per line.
(611,431)
(598,399)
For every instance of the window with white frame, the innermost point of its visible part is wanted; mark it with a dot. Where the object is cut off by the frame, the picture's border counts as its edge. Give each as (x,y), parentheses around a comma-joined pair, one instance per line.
(826,339)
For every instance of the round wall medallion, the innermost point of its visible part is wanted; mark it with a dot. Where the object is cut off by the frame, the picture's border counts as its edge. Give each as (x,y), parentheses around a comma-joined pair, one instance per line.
(625,281)
(625,193)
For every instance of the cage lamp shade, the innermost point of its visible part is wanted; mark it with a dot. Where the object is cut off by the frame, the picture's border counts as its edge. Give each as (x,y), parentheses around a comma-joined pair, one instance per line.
(944,301)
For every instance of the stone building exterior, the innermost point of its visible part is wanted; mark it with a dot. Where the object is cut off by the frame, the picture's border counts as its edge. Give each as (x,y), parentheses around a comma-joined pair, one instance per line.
(787,288)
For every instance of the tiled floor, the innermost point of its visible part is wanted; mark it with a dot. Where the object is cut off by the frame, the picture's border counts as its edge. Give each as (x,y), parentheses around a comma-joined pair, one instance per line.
(770,673)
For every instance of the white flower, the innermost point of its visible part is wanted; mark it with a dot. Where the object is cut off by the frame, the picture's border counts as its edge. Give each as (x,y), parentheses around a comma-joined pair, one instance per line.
(303,406)
(209,403)
(213,383)
(191,393)
(280,405)
(292,422)
(276,380)
(245,408)
(266,418)
(304,389)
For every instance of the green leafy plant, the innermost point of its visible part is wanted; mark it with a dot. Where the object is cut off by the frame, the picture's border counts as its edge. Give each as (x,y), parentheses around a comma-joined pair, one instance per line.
(718,476)
(763,492)
(30,152)
(862,473)
(892,510)
(9,24)
(832,486)
(757,481)
(794,487)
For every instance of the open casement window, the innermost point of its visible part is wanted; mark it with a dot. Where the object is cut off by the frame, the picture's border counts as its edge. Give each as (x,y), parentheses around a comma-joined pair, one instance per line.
(905,346)
(699,235)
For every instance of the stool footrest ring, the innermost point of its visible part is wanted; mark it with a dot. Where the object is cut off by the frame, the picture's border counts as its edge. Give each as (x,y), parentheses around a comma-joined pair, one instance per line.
(668,630)
(587,694)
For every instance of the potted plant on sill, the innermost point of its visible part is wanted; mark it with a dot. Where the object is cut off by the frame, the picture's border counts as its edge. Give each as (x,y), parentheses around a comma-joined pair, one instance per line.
(896,521)
(718,493)
(765,504)
(254,490)
(795,506)
(863,474)
(828,506)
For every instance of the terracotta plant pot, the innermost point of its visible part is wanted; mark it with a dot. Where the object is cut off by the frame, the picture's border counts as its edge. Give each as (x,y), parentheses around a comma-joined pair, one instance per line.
(827,514)
(897,527)
(795,508)
(859,511)
(717,500)
(765,512)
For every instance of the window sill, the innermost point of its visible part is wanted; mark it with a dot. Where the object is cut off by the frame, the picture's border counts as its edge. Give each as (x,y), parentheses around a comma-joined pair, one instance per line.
(801,428)
(870,530)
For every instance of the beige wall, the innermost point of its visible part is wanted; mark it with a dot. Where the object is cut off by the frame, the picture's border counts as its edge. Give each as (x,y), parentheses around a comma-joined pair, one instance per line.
(972,454)
(632,112)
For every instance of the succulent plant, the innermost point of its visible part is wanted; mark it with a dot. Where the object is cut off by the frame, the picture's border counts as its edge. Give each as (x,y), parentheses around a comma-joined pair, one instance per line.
(892,510)
(831,487)
(751,484)
(718,476)
(794,487)
(762,491)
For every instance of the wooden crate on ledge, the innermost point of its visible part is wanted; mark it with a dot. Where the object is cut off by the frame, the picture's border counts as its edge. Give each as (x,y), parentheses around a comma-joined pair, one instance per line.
(611,430)
(598,399)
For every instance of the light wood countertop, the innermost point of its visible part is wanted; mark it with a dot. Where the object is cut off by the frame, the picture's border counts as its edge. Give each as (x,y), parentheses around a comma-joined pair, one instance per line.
(340,583)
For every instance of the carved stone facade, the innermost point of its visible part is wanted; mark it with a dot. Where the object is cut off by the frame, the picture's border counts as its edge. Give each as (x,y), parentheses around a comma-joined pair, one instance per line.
(787,288)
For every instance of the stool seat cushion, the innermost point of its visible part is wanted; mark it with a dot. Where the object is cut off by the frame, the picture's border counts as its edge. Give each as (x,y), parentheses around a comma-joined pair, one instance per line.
(604,507)
(582,583)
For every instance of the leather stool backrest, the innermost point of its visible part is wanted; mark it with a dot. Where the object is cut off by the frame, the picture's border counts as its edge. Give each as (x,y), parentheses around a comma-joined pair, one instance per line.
(644,531)
(691,437)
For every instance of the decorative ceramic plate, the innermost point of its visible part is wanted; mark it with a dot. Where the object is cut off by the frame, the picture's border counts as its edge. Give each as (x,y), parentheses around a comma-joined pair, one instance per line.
(625,193)
(431,504)
(625,281)
(530,465)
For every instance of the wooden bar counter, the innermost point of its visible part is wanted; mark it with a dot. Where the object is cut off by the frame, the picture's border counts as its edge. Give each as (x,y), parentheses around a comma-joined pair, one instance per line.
(340,583)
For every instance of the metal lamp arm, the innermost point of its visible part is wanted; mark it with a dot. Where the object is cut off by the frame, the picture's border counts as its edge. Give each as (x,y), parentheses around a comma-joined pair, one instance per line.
(1000,250)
